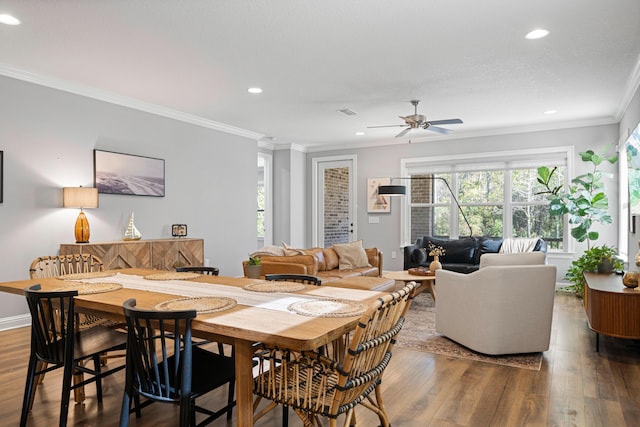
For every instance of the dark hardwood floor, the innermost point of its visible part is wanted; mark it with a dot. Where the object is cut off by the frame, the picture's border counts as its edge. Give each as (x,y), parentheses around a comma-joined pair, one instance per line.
(575,387)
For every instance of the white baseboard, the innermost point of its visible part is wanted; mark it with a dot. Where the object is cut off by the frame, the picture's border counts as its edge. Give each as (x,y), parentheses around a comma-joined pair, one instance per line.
(13,322)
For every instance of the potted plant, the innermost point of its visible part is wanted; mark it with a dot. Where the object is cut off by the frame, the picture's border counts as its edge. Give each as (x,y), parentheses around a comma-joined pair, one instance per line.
(592,261)
(254,267)
(585,203)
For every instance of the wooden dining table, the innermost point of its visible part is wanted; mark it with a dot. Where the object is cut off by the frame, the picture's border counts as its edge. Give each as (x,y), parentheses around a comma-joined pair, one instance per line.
(241,326)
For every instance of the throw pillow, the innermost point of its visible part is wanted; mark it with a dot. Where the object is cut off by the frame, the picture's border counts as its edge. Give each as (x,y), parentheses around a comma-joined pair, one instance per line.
(289,251)
(419,256)
(317,253)
(330,259)
(269,250)
(351,255)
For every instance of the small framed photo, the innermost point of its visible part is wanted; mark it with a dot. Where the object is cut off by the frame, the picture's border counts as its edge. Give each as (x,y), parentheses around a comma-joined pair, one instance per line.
(179,230)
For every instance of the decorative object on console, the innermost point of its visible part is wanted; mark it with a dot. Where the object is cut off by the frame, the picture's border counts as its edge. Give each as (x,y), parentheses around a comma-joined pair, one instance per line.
(179,230)
(80,197)
(401,190)
(131,233)
(630,279)
(118,173)
(377,203)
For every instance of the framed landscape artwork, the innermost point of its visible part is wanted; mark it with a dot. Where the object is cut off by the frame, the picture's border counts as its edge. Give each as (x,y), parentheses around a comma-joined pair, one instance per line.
(118,173)
(375,202)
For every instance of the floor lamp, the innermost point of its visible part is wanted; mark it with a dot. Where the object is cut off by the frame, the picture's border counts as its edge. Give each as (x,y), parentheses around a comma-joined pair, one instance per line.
(401,190)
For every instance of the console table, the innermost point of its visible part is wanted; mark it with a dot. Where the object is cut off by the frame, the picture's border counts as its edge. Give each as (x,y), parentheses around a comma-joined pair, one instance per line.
(160,254)
(612,308)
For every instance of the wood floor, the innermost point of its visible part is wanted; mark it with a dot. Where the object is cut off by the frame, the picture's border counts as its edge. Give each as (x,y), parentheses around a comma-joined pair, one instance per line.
(575,387)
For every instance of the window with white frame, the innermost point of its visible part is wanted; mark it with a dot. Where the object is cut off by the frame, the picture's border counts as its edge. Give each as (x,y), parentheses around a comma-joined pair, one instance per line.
(497,192)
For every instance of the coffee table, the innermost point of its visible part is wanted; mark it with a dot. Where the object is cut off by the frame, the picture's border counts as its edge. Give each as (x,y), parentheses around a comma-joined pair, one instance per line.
(426,282)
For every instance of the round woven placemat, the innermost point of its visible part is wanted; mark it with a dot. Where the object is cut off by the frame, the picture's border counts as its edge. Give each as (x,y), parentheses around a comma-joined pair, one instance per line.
(173,275)
(85,288)
(274,286)
(92,275)
(328,308)
(200,304)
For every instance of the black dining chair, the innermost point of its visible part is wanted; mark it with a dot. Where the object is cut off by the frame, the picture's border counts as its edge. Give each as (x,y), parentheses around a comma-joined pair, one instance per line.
(298,278)
(163,365)
(56,343)
(211,271)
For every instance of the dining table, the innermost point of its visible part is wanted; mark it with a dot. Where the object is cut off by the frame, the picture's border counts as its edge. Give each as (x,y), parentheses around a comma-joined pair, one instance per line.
(259,314)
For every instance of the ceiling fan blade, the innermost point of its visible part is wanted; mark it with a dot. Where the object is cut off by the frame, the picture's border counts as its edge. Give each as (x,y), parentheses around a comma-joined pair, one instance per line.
(385,126)
(404,132)
(409,121)
(446,122)
(439,129)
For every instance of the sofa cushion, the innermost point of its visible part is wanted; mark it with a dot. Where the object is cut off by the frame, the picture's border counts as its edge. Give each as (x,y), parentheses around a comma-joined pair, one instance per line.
(459,251)
(340,274)
(488,245)
(351,255)
(319,255)
(419,256)
(330,259)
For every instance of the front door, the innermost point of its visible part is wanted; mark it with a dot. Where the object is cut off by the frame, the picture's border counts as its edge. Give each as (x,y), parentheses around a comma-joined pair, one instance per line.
(334,200)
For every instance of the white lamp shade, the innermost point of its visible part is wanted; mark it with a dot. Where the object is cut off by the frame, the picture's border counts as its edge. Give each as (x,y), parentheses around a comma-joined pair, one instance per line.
(80,197)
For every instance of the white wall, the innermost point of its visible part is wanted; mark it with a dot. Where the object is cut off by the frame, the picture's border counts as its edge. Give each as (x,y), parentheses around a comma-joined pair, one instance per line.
(385,162)
(628,123)
(48,137)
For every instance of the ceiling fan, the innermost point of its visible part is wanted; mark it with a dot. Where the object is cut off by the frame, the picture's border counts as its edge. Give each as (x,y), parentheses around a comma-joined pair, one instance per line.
(416,121)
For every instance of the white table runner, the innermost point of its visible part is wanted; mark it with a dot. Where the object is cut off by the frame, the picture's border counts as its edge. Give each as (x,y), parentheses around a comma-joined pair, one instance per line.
(271,300)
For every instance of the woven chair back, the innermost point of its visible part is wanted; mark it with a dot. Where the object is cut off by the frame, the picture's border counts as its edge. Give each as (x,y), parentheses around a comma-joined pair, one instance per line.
(58,265)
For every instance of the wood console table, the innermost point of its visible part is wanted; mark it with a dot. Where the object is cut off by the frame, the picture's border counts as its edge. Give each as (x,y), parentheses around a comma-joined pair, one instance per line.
(160,254)
(612,308)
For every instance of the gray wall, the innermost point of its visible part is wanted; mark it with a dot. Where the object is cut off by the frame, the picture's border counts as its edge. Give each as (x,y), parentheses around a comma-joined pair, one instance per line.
(48,137)
(385,162)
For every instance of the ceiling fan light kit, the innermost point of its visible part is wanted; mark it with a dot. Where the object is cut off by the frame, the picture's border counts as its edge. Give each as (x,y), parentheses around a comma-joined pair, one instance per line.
(419,121)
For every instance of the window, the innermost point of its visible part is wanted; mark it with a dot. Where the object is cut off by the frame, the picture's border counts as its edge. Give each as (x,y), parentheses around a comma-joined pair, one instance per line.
(498,197)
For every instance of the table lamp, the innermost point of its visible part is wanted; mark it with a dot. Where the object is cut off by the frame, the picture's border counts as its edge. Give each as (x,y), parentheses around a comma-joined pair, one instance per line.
(80,197)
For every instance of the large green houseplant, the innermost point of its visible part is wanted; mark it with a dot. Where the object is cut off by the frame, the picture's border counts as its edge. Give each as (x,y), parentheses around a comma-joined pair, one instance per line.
(585,203)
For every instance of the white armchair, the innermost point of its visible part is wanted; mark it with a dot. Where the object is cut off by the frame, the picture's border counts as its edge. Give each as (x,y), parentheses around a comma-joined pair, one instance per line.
(505,307)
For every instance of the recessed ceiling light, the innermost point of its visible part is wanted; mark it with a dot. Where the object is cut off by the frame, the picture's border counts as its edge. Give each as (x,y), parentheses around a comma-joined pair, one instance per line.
(8,19)
(537,34)
(549,112)
(359,133)
(254,90)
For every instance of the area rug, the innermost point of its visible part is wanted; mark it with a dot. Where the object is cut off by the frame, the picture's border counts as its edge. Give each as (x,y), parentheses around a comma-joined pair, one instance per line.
(419,333)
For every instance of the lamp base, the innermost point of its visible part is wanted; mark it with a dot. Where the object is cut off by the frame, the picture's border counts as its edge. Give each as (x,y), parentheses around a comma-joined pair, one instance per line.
(82,229)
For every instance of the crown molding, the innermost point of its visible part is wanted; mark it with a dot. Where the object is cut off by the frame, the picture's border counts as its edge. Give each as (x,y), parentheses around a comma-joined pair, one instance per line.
(123,101)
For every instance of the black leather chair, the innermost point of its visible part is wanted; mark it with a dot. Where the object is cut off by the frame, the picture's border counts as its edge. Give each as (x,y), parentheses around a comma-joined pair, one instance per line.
(298,278)
(211,271)
(163,365)
(56,343)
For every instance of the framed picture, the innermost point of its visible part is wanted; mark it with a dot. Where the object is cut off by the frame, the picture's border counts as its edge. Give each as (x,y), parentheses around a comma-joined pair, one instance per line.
(375,202)
(118,173)
(179,230)
(1,174)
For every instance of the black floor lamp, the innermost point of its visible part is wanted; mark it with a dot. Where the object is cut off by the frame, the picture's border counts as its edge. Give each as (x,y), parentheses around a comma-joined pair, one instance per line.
(401,190)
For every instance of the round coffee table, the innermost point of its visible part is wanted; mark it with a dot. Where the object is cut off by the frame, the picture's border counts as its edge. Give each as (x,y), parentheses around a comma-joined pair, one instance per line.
(426,282)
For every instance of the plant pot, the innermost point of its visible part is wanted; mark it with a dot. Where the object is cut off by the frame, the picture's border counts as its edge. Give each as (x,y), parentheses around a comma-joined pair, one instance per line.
(605,266)
(254,271)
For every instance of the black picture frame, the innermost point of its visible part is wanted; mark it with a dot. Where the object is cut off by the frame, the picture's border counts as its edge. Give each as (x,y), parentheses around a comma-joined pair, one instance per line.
(128,174)
(1,176)
(179,230)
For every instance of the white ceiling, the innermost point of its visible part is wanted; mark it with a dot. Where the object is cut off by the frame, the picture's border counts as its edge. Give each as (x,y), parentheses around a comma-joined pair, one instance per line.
(464,59)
